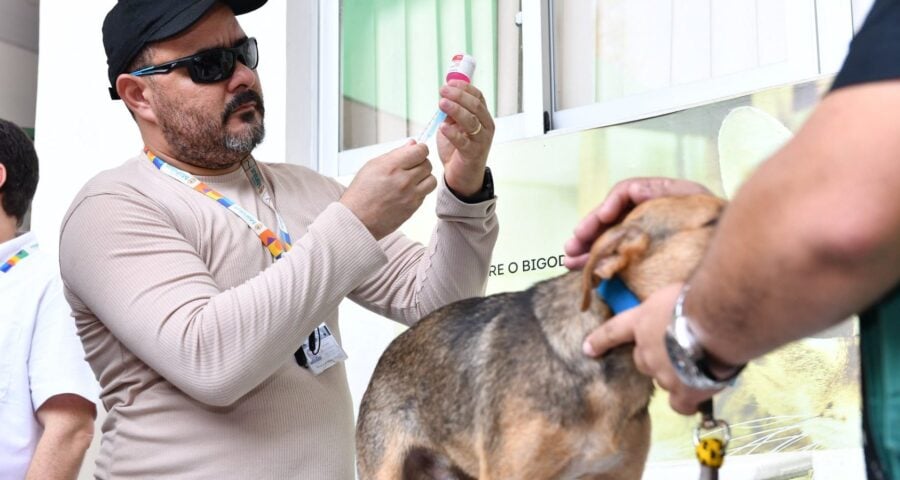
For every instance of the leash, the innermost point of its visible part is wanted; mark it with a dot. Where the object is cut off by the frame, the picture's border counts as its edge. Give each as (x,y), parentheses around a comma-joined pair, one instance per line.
(710,449)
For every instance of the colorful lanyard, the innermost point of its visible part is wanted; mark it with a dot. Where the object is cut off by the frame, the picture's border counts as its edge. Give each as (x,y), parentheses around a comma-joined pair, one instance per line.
(15,259)
(277,247)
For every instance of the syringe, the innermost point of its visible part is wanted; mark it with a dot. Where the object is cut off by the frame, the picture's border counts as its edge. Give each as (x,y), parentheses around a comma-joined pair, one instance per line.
(462,67)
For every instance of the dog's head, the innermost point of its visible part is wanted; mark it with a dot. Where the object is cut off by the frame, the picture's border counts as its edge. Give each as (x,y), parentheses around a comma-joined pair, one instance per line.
(658,243)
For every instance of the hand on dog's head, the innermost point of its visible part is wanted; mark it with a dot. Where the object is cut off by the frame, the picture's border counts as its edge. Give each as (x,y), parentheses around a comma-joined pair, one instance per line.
(660,242)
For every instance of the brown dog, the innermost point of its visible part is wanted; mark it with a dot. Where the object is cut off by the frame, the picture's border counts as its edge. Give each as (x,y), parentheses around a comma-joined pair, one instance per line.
(498,387)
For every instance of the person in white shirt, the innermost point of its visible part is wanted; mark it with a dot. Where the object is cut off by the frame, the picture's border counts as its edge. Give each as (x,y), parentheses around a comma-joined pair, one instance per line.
(47,390)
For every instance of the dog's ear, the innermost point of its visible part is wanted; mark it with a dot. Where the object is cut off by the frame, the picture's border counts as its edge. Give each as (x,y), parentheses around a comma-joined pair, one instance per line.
(611,253)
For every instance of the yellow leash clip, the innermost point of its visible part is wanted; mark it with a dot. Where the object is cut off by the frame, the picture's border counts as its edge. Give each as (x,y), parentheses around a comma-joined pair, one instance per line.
(710,449)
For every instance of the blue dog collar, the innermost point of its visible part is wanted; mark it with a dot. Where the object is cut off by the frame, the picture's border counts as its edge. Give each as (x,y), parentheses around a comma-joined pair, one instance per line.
(617,295)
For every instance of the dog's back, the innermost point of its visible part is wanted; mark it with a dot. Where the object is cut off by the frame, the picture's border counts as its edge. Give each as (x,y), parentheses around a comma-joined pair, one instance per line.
(498,387)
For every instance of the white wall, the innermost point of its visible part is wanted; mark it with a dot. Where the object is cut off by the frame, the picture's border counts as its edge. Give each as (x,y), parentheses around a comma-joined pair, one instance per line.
(18,78)
(18,61)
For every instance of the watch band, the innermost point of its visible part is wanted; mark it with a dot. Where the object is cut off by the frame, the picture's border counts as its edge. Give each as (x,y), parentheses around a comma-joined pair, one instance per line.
(691,362)
(486,193)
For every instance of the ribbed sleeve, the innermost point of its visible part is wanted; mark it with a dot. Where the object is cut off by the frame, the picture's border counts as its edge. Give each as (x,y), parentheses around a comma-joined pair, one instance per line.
(454,266)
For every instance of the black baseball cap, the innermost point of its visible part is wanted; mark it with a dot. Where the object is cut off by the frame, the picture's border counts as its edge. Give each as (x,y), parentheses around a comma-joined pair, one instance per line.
(131,24)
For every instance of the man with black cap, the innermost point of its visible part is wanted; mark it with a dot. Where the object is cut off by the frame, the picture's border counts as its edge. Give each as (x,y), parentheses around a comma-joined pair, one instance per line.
(205,284)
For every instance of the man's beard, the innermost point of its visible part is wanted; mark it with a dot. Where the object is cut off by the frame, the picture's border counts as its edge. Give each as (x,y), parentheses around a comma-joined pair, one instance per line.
(204,141)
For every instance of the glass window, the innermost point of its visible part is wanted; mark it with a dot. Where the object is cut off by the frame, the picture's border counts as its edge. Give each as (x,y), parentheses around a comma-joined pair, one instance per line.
(612,49)
(394,55)
(560,65)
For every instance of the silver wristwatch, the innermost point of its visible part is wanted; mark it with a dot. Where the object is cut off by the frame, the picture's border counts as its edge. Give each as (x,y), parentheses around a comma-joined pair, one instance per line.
(687,355)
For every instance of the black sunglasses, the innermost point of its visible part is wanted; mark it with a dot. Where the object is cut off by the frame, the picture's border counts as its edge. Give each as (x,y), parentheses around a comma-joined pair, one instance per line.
(209,66)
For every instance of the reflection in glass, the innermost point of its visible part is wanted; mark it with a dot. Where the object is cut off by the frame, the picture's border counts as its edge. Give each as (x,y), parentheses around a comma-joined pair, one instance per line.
(607,49)
(394,55)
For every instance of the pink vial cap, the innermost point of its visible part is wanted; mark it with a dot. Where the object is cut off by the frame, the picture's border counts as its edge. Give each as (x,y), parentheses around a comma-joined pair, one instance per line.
(462,67)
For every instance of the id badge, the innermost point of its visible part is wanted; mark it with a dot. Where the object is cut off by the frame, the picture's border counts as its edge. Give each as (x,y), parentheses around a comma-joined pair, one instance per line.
(321,350)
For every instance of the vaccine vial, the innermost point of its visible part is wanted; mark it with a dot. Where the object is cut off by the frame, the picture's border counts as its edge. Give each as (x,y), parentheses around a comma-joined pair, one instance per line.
(462,67)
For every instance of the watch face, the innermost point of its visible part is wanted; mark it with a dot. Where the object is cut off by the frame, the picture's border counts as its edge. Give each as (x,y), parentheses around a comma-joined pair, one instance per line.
(686,367)
(677,355)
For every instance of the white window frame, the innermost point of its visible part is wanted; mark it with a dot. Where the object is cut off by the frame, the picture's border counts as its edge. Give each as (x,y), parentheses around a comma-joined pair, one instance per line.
(820,47)
(816,49)
(528,123)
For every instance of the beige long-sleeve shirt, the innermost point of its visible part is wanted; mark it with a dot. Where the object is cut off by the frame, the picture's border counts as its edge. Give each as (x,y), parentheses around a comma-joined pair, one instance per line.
(191,326)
